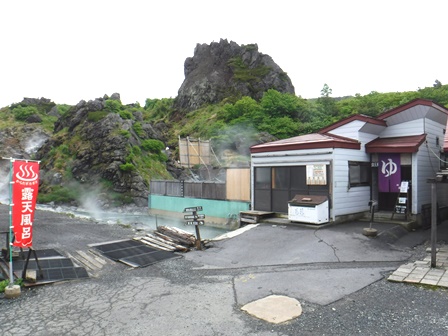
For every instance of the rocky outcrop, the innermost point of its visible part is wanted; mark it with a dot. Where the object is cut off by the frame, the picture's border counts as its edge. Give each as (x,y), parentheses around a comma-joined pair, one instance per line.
(20,142)
(97,147)
(223,70)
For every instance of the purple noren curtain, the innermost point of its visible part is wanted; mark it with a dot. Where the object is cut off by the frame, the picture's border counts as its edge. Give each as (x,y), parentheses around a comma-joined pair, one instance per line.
(389,172)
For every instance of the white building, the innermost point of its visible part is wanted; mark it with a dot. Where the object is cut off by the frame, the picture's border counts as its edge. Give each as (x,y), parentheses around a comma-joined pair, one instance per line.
(354,161)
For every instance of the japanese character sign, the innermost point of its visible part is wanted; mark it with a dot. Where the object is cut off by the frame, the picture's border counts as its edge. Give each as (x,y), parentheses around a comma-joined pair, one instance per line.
(25,187)
(389,172)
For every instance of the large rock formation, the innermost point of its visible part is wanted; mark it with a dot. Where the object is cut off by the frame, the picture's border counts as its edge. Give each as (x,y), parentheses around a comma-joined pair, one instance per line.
(97,143)
(225,69)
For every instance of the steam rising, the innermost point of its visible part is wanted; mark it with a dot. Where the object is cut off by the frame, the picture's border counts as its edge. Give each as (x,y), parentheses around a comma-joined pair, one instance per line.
(237,141)
(4,185)
(33,143)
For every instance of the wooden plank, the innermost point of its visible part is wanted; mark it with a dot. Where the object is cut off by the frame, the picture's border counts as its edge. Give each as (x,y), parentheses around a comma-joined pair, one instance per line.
(159,241)
(149,243)
(90,259)
(171,242)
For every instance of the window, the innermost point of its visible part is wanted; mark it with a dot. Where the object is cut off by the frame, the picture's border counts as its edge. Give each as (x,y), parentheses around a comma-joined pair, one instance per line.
(263,178)
(359,173)
(280,176)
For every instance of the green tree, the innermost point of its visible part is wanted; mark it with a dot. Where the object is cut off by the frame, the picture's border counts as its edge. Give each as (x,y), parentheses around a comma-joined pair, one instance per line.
(281,128)
(326,104)
(245,109)
(277,104)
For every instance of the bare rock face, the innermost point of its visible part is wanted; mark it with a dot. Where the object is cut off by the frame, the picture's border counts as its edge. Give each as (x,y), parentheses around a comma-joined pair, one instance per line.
(224,69)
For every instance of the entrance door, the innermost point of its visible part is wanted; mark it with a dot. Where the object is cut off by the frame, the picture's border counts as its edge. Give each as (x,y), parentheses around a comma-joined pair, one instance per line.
(387,200)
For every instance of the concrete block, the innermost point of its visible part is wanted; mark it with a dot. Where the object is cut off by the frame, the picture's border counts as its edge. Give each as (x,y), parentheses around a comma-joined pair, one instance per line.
(12,292)
(31,275)
(369,232)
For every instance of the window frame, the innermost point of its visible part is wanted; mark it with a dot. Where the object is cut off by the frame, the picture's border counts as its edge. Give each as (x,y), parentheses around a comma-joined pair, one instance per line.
(365,177)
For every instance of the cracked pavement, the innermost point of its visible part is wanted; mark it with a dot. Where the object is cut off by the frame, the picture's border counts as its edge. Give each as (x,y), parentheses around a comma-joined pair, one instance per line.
(336,273)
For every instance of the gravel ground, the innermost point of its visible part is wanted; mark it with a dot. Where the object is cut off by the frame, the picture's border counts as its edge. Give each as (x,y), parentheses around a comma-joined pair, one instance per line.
(177,297)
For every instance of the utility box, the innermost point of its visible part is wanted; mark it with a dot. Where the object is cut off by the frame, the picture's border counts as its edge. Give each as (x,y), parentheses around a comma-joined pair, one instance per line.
(308,209)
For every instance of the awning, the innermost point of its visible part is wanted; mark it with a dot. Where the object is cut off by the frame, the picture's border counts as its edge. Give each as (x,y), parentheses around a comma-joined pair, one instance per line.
(404,144)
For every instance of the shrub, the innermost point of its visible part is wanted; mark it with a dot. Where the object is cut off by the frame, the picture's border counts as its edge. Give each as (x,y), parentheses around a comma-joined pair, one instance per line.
(64,149)
(112,105)
(242,72)
(63,108)
(136,150)
(58,195)
(125,133)
(125,114)
(153,146)
(24,112)
(127,167)
(96,115)
(138,129)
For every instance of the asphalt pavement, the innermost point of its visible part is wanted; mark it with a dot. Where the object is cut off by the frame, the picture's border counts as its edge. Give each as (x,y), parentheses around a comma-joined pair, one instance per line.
(337,274)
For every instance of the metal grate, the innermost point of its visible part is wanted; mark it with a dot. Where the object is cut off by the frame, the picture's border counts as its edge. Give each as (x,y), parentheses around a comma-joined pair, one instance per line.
(133,253)
(53,265)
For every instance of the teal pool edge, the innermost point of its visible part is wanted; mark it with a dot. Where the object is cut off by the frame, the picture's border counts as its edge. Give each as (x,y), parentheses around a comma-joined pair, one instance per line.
(213,208)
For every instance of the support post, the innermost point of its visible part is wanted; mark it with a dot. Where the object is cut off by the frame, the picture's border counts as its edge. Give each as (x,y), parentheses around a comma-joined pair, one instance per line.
(433,224)
(10,235)
(198,238)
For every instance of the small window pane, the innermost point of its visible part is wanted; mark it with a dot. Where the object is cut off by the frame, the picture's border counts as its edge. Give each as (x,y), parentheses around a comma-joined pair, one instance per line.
(263,178)
(280,177)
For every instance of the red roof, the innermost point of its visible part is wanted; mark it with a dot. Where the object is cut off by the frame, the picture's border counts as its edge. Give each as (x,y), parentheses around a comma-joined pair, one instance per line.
(404,144)
(308,141)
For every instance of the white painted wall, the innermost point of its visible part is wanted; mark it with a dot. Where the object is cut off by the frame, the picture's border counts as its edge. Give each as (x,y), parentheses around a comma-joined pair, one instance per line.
(413,127)
(426,164)
(348,200)
(350,130)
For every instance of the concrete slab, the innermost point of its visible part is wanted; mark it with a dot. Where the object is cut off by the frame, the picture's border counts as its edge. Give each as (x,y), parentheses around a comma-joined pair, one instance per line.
(321,287)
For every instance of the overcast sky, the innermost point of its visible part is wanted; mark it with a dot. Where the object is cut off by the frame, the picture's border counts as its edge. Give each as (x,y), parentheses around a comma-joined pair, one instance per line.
(71,50)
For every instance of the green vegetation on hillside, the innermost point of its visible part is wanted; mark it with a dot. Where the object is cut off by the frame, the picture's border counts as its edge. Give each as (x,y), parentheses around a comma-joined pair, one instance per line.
(282,115)
(231,125)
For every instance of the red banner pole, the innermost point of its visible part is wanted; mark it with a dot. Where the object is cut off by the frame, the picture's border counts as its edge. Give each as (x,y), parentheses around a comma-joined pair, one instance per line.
(11,278)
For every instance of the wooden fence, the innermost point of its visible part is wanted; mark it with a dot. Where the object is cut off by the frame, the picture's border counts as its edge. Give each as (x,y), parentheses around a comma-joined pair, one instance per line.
(209,190)
(236,187)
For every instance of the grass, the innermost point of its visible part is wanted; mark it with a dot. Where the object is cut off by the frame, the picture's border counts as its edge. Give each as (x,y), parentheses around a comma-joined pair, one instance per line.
(5,283)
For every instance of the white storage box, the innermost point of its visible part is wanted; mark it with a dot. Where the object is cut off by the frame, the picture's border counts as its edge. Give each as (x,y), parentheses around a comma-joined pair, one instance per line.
(308,209)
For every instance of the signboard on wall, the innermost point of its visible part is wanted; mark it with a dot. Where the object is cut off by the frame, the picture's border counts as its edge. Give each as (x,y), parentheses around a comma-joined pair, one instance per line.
(316,174)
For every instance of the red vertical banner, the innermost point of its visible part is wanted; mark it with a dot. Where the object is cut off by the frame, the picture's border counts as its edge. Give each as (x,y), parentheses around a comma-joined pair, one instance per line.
(24,195)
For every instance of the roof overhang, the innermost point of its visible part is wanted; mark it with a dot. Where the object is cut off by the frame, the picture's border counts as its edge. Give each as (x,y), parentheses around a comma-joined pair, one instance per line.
(309,141)
(404,144)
